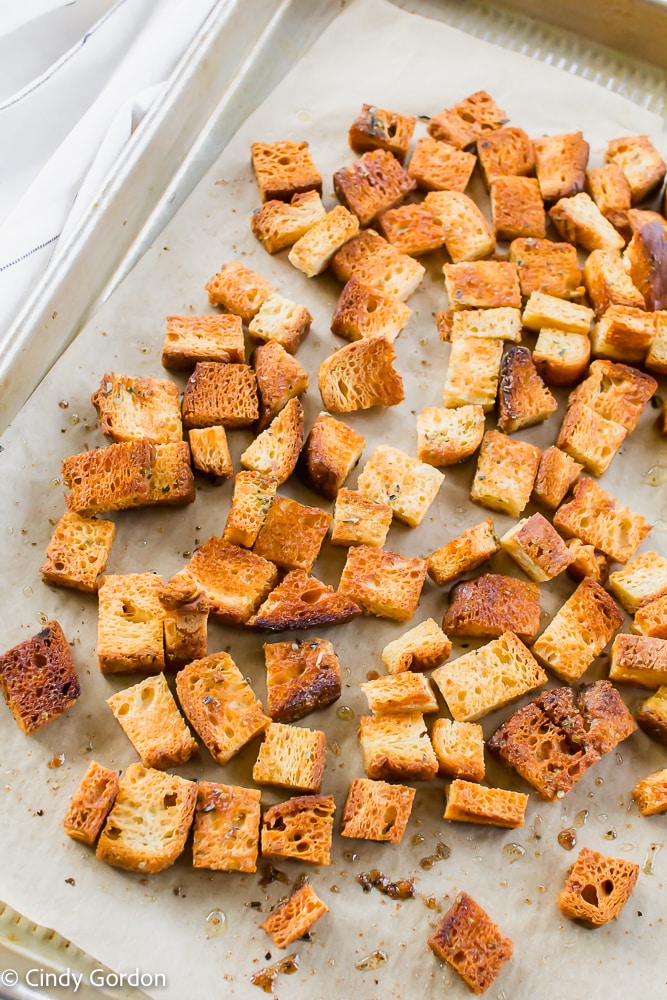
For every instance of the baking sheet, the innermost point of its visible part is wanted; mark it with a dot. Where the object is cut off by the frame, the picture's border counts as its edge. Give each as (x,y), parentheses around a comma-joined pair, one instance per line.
(372,52)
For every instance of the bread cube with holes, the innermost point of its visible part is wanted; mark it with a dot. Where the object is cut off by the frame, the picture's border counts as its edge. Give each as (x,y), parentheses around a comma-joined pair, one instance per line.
(641,163)
(38,678)
(172,481)
(560,357)
(508,152)
(362,311)
(617,392)
(359,521)
(411,229)
(608,283)
(396,747)
(600,520)
(447,435)
(280,378)
(210,452)
(473,372)
(609,189)
(597,888)
(651,618)
(281,320)
(302,601)
(639,659)
(537,548)
(503,323)
(624,333)
(251,500)
(275,451)
(560,164)
(377,128)
(292,534)
(403,692)
(91,803)
(556,475)
(656,359)
(185,620)
(652,715)
(219,393)
(292,918)
(482,284)
(464,553)
(489,605)
(506,471)
(106,479)
(376,810)
(291,757)
(468,236)
(130,630)
(78,552)
(137,409)
(312,253)
(437,166)
(468,120)
(590,438)
(279,224)
(359,376)
(587,561)
(517,209)
(299,828)
(283,169)
(301,677)
(470,802)
(226,828)
(331,451)
(523,398)
(650,793)
(152,723)
(646,256)
(459,747)
(421,648)
(406,484)
(238,290)
(642,580)
(580,221)
(548,311)
(376,263)
(372,184)
(190,339)
(547,267)
(382,583)
(471,944)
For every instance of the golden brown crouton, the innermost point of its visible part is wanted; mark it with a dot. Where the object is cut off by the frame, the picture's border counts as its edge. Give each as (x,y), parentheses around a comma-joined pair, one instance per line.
(220,393)
(299,828)
(185,626)
(469,941)
(359,376)
(523,398)
(639,660)
(411,229)
(253,493)
(587,561)
(279,224)
(597,888)
(376,128)
(537,548)
(421,648)
(362,311)
(590,438)
(651,793)
(623,334)
(280,377)
(557,314)
(78,552)
(489,605)
(406,484)
(281,320)
(467,121)
(137,409)
(600,520)
(609,189)
(517,208)
(275,451)
(294,917)
(291,757)
(646,257)
(372,184)
(402,692)
(608,283)
(238,290)
(301,676)
(617,392)
(130,631)
(313,252)
(580,221)
(656,359)
(641,581)
(107,479)
(551,268)
(396,747)
(283,169)
(556,475)
(302,601)
(482,284)
(190,339)
(560,164)
(437,166)
(91,803)
(561,358)
(641,163)
(503,323)
(507,152)
(331,451)
(469,802)
(359,521)
(210,452)
(226,828)
(652,715)
(468,236)
(505,475)
(38,678)
(473,371)
(459,747)
(378,264)
(171,480)
(376,810)
(464,553)
(382,583)
(152,723)
(292,534)
(447,435)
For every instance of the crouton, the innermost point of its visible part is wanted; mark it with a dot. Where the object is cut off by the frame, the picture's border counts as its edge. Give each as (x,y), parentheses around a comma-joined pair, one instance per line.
(220,393)
(590,438)
(91,803)
(597,888)
(301,676)
(641,581)
(171,480)
(396,747)
(560,357)
(608,283)
(406,484)
(468,236)
(550,268)
(376,128)
(220,705)
(359,376)
(639,659)
(362,311)
(508,152)
(623,334)
(469,802)
(652,715)
(138,409)
(560,164)
(376,810)
(359,521)
(651,793)
(411,229)
(291,757)
(537,548)
(464,553)
(185,624)
(299,828)
(210,452)
(275,451)
(641,163)
(331,451)
(152,723)
(421,648)
(467,121)
(482,284)
(238,290)
(646,257)
(580,221)
(505,475)
(489,605)
(473,372)
(543,310)
(609,189)
(226,828)
(523,398)
(382,583)
(503,323)
(279,224)
(587,561)
(253,493)
(292,534)
(517,208)
(294,917)
(459,747)
(372,184)
(149,823)
(446,436)
(403,692)
(378,264)
(107,479)
(130,631)
(618,392)
(78,552)
(656,359)
(38,678)
(437,166)
(281,320)
(283,169)
(190,339)
(556,475)
(471,944)
(302,601)
(600,520)
(313,252)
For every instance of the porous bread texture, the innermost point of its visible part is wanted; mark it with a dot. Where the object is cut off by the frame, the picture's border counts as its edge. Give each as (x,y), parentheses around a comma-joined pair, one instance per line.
(461,554)
(151,721)
(313,252)
(279,224)
(283,169)
(396,747)
(378,128)
(130,630)
(459,747)
(382,583)
(291,757)
(597,888)
(406,484)
(220,393)
(138,409)
(650,793)
(640,581)
(190,339)
(359,376)
(299,828)
(226,828)
(376,810)
(506,471)
(253,493)
(402,692)
(279,376)
(275,451)
(302,601)
(560,164)
(470,802)
(600,520)
(489,605)
(238,290)
(359,521)
(639,660)
(295,916)
(91,803)
(292,534)
(471,944)
(420,648)
(301,676)
(331,451)
(78,551)
(467,121)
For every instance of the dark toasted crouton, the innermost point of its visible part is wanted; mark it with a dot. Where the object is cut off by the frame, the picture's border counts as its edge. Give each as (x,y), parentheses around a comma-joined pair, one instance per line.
(331,451)
(469,941)
(283,169)
(560,164)
(359,376)
(190,339)
(646,257)
(467,121)
(437,166)
(280,377)
(552,268)
(371,185)
(492,604)
(376,810)
(375,128)
(107,479)
(301,677)
(300,828)
(302,601)
(219,393)
(652,715)
(523,398)
(38,678)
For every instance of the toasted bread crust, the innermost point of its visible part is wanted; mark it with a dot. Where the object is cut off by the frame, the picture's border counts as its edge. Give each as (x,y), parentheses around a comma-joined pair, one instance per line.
(292,534)
(646,257)
(421,648)
(151,721)
(469,802)
(652,715)
(555,477)
(463,553)
(411,229)
(406,484)
(482,284)
(291,757)
(331,451)
(459,747)
(469,941)
(376,810)
(523,398)
(359,376)
(508,152)
(362,311)
(302,601)
(378,264)
(543,266)
(373,184)
(382,583)
(600,520)
(283,169)
(300,828)
(78,552)
(280,377)
(137,409)
(437,166)
(91,803)
(359,521)
(278,224)
(489,605)
(238,290)
(639,659)
(130,630)
(112,478)
(597,888)
(517,208)
(219,393)
(506,471)
(376,128)
(467,121)
(253,493)
(301,677)
(396,747)
(275,451)
(560,164)
(537,548)
(294,917)
(226,828)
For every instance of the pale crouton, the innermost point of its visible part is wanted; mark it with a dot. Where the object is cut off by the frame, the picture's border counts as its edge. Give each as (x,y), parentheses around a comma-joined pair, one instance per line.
(639,660)
(656,359)
(421,648)
(299,828)
(560,164)
(411,229)
(608,283)
(507,152)
(555,477)
(468,236)
(646,257)
(331,451)
(238,290)
(505,475)
(618,392)
(641,581)
(600,520)
(464,553)
(376,810)
(543,310)
(406,484)
(537,548)
(226,828)
(597,888)
(359,376)
(78,552)
(278,224)
(503,323)
(382,583)
(359,521)
(517,209)
(473,371)
(210,452)
(587,561)
(482,284)
(362,311)
(641,163)
(190,339)
(313,252)
(38,678)
(471,944)
(253,493)
(220,393)
(136,409)
(469,802)
(551,268)
(378,264)
(185,624)
(449,435)
(283,169)
(275,451)
(281,320)
(609,189)
(623,334)
(459,747)
(652,715)
(372,184)
(301,676)
(523,398)
(560,357)
(91,803)
(292,534)
(403,692)
(580,221)
(590,438)
(396,747)
(467,121)
(376,128)
(152,723)
(651,793)
(280,377)
(302,601)
(489,605)
(437,166)
(130,631)
(293,917)
(291,757)
(106,479)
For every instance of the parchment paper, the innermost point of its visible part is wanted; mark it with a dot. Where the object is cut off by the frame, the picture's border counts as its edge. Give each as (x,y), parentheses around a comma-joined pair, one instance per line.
(375,53)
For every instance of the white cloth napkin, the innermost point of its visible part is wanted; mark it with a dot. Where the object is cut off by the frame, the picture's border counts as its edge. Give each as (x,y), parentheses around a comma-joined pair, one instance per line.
(61,132)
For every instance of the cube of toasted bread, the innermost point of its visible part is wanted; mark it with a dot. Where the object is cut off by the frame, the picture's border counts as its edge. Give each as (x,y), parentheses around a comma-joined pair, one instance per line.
(503,323)
(467,121)
(543,310)
(537,548)
(590,438)
(651,618)
(299,828)
(411,229)
(359,521)
(600,520)
(220,393)
(130,631)
(281,320)
(406,484)
(302,601)
(641,163)
(362,311)
(652,715)
(301,676)
(617,392)
(464,553)
(382,583)
(550,268)
(275,451)
(517,208)
(507,152)
(292,534)
(137,409)
(580,221)
(152,723)
(560,357)
(468,236)
(403,692)
(639,660)
(378,264)
(609,189)
(238,290)
(505,475)
(253,493)
(641,581)
(331,451)
(172,481)
(656,359)
(280,377)
(556,475)
(459,747)
(283,169)
(38,678)
(587,561)
(210,452)
(226,828)
(421,648)
(523,398)
(473,371)
(190,339)
(149,823)
(107,479)
(279,224)
(482,284)
(313,252)
(488,678)
(91,803)
(560,164)
(294,917)
(623,334)
(185,629)
(651,793)
(471,944)
(359,376)
(372,184)
(437,166)
(469,802)
(597,888)
(646,256)
(376,128)
(489,605)
(608,283)
(449,435)
(291,757)
(78,552)
(376,810)
(396,747)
